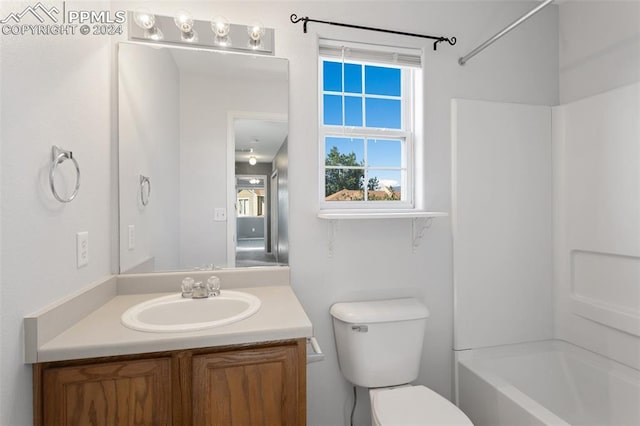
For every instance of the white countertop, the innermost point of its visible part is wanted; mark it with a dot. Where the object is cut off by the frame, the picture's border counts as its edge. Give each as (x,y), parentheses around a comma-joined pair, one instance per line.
(101,333)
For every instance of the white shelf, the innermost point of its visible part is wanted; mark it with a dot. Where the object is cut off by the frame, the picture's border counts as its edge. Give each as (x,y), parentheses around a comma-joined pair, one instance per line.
(364,214)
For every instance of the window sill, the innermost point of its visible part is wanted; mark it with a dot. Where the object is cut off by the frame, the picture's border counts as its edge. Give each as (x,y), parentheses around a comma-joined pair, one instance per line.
(378,214)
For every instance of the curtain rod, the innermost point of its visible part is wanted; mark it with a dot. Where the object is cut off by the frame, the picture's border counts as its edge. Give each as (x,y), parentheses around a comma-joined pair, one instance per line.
(463,60)
(294,19)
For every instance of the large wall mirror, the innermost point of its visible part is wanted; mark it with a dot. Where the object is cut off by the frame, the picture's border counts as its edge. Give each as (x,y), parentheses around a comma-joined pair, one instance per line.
(202,159)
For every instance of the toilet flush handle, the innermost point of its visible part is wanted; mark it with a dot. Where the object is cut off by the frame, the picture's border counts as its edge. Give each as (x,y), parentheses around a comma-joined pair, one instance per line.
(360,328)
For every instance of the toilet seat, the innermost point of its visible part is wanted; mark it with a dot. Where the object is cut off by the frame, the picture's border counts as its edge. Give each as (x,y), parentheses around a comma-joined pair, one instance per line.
(413,406)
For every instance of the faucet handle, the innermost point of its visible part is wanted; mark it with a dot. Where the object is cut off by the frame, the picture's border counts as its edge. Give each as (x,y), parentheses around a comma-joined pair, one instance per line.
(213,286)
(187,287)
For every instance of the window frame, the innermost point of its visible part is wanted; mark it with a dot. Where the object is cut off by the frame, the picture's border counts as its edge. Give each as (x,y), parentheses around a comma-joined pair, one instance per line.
(406,135)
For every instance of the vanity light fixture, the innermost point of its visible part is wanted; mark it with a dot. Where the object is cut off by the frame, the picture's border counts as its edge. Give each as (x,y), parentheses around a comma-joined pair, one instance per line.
(147,22)
(254,181)
(184,22)
(253,160)
(216,34)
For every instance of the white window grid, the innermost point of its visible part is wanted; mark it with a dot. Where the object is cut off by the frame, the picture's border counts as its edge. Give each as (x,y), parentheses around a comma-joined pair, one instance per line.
(405,135)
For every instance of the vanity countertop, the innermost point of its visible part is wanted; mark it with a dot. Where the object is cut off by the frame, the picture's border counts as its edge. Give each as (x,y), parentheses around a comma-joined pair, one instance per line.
(101,333)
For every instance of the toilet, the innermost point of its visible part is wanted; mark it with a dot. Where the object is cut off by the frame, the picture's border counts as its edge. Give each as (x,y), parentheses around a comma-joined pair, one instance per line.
(379,346)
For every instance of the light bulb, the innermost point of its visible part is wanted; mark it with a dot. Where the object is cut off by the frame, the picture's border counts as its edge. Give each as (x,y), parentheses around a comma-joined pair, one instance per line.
(184,21)
(256,32)
(220,26)
(252,160)
(147,21)
(144,19)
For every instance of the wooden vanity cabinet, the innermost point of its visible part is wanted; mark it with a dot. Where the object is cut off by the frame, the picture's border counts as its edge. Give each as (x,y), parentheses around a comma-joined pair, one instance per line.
(261,384)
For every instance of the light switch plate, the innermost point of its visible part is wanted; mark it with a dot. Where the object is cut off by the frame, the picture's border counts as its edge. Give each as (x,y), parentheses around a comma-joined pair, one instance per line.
(220,214)
(131,237)
(82,245)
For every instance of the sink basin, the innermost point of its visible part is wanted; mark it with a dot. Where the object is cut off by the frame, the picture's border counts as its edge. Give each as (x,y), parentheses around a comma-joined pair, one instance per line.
(175,313)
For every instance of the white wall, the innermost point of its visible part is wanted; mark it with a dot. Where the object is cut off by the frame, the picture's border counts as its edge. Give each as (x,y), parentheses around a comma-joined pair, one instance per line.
(149,144)
(502,223)
(55,90)
(599,47)
(47,82)
(205,102)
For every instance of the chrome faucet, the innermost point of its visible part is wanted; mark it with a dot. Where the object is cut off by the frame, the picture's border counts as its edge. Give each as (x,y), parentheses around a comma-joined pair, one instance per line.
(196,290)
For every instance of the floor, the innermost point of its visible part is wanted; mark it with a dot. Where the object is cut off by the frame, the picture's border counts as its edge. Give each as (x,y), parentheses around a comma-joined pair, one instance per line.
(250,252)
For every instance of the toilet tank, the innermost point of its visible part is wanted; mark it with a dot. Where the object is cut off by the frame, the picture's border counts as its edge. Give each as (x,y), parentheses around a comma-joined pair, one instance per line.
(379,342)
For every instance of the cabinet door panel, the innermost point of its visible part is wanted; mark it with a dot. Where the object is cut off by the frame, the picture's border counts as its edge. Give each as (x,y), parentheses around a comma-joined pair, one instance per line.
(250,387)
(113,393)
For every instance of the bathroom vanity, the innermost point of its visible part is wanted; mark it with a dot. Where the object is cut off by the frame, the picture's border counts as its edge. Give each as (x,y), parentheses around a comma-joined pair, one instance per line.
(88,368)
(240,384)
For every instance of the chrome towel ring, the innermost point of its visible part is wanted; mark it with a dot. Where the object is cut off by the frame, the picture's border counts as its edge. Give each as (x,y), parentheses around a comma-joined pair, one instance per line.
(58,156)
(145,181)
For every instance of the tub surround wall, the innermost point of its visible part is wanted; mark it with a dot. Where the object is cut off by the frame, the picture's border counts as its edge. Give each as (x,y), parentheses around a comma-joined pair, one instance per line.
(599,49)
(502,223)
(597,223)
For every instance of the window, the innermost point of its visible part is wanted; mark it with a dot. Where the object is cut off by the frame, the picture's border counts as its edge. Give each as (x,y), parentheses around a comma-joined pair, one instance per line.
(243,206)
(366,126)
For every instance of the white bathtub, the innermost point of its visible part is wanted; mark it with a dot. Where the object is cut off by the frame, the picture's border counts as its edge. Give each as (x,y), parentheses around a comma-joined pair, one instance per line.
(546,383)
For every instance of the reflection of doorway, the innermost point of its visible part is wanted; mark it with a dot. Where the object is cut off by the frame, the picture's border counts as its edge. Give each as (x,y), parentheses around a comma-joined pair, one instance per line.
(255,142)
(252,204)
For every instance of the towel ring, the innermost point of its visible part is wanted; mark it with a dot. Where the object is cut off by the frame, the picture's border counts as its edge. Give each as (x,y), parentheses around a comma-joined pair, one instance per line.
(58,156)
(145,180)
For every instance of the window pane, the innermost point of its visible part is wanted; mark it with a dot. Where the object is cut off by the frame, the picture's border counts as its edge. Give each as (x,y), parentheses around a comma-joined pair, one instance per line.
(384,113)
(344,184)
(353,111)
(384,152)
(332,76)
(384,185)
(382,80)
(333,110)
(353,78)
(344,151)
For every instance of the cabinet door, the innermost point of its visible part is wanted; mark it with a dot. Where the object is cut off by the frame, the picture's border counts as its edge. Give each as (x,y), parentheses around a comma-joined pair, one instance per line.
(111,393)
(253,387)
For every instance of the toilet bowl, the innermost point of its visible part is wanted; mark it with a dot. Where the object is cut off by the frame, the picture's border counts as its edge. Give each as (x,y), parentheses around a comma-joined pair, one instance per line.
(379,346)
(413,406)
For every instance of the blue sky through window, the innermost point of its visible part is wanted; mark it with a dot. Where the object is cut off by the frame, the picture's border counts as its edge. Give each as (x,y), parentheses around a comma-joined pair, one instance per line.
(377,104)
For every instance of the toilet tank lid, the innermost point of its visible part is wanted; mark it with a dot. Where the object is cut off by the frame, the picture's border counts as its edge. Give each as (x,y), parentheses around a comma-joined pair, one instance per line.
(379,311)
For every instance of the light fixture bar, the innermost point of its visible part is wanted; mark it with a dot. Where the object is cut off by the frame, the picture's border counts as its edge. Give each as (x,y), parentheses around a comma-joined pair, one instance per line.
(238,36)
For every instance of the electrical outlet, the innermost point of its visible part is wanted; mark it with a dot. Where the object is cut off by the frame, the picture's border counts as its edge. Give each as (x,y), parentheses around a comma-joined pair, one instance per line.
(220,214)
(132,237)
(82,245)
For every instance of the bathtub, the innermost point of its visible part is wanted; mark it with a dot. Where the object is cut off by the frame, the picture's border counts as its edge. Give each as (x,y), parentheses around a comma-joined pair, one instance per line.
(545,383)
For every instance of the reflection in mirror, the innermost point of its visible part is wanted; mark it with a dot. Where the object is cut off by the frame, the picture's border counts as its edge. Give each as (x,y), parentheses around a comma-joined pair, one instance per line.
(259,145)
(186,118)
